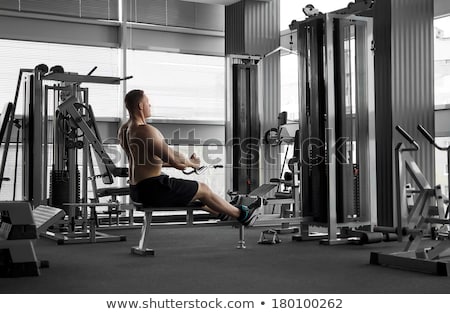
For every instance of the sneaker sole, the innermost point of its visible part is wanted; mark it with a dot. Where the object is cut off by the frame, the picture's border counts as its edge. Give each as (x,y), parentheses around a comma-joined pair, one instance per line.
(251,221)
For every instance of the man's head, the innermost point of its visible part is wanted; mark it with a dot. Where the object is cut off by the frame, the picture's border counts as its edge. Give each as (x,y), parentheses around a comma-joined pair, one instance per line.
(137,103)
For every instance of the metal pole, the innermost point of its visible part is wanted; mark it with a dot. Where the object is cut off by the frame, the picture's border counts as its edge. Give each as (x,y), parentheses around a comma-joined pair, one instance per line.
(331,126)
(45,144)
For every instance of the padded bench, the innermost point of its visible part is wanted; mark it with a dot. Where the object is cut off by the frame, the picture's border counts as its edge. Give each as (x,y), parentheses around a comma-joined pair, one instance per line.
(46,216)
(114,192)
(143,248)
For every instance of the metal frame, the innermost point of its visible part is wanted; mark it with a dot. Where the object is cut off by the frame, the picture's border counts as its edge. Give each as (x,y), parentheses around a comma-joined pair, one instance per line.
(7,122)
(309,32)
(416,222)
(36,145)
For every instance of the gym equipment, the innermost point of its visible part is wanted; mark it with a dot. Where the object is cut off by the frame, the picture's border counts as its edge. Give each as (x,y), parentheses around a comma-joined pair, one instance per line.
(74,129)
(144,242)
(246,127)
(202,169)
(143,248)
(256,196)
(269,236)
(57,69)
(416,222)
(242,135)
(337,126)
(41,68)
(430,139)
(288,199)
(79,117)
(19,226)
(6,124)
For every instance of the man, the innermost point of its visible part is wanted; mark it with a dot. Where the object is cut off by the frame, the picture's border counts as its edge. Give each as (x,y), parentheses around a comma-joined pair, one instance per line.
(148,152)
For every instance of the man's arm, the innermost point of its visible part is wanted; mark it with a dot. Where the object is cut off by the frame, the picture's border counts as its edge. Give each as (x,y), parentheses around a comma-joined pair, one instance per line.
(159,147)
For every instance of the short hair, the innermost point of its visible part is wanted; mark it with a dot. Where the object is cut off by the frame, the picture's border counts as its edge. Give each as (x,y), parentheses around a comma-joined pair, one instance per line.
(133,98)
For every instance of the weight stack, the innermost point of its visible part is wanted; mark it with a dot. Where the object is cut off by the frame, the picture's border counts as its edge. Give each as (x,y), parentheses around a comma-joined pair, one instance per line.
(59,190)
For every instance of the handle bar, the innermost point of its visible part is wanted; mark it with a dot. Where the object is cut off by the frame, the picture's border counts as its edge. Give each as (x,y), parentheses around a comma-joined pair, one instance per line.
(430,138)
(201,169)
(408,137)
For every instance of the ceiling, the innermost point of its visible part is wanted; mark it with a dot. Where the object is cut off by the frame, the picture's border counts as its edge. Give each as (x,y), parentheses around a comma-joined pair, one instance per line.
(441,7)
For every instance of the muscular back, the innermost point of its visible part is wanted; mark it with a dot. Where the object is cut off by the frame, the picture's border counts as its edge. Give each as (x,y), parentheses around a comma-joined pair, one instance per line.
(143,145)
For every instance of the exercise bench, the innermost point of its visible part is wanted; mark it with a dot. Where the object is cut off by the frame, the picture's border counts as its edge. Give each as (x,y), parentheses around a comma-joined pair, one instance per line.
(46,216)
(144,241)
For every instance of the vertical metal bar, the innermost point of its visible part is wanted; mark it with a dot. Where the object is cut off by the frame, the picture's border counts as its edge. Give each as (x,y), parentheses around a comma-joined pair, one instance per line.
(124,71)
(123,49)
(85,153)
(331,126)
(448,173)
(229,123)
(10,119)
(371,144)
(302,46)
(73,174)
(241,242)
(37,154)
(344,171)
(400,192)
(26,138)
(45,145)
(92,173)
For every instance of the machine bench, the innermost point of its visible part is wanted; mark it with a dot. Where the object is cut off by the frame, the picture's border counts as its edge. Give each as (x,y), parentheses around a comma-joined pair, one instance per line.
(46,216)
(143,248)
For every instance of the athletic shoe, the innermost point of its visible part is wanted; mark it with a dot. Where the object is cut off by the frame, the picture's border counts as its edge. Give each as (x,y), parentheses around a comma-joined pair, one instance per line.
(248,216)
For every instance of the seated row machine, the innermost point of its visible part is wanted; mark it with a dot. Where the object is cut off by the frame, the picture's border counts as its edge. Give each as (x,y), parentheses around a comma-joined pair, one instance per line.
(143,248)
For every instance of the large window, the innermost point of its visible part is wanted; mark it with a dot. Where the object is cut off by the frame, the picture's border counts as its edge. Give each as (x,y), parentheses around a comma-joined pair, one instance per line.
(442,93)
(289,85)
(183,87)
(15,55)
(180,86)
(442,62)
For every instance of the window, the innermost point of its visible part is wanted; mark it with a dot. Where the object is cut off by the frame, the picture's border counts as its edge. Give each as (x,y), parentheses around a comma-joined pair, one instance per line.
(180,86)
(15,55)
(289,85)
(442,62)
(442,93)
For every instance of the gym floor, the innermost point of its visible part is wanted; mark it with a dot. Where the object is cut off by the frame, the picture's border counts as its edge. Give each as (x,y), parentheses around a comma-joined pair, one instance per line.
(204,260)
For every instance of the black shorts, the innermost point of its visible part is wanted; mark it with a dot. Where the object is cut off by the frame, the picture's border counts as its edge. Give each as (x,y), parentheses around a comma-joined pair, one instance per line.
(163,191)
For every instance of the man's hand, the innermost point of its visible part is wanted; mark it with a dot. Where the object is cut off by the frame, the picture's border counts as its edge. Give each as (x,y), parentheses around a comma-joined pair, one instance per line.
(195,161)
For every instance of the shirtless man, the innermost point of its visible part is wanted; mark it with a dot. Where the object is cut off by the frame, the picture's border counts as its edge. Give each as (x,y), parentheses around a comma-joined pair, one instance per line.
(148,152)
